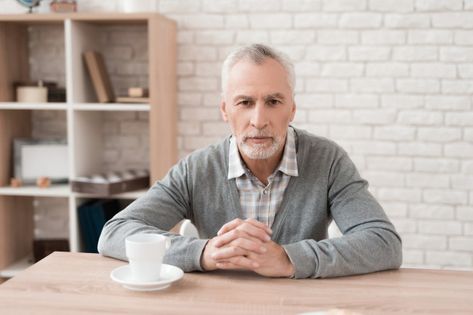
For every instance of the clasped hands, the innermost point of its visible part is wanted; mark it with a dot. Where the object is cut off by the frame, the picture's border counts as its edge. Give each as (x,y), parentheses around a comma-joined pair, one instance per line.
(246,245)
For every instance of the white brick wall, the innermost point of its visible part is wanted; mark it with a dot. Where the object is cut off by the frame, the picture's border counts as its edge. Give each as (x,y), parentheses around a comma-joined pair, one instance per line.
(390,80)
(391,5)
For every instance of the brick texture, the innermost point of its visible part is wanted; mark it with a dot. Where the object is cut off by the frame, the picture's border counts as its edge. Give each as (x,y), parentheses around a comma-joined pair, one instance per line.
(390,80)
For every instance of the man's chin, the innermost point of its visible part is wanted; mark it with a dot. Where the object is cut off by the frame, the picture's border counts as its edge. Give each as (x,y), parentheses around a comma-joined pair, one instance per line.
(259,156)
(259,146)
(259,152)
(259,142)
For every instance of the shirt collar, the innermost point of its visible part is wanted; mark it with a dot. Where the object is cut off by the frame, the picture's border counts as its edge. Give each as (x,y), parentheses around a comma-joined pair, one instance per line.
(288,164)
(235,165)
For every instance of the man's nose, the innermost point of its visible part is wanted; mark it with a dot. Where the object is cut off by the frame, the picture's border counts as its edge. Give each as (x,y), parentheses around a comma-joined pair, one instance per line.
(259,116)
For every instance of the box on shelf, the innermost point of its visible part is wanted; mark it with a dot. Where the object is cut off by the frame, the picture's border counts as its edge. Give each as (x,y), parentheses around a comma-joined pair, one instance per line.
(111,183)
(138,92)
(44,247)
(30,91)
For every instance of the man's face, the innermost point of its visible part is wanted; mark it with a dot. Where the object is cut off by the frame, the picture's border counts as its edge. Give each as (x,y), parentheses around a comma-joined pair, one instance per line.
(259,106)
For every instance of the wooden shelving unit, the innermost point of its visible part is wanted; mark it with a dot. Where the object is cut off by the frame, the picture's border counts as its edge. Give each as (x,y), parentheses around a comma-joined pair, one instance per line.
(84,116)
(33,106)
(33,191)
(112,107)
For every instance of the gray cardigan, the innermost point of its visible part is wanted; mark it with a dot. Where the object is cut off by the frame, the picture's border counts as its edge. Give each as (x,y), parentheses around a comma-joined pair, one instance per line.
(328,187)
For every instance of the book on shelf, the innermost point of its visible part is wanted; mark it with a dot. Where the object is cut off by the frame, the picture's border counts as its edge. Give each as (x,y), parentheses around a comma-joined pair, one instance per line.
(99,76)
(92,217)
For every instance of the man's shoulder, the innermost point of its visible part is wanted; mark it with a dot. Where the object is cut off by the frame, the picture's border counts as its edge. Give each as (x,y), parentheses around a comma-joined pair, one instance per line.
(318,154)
(213,153)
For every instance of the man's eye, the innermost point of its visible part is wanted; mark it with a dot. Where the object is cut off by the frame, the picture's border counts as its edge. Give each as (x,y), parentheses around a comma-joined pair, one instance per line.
(244,103)
(274,102)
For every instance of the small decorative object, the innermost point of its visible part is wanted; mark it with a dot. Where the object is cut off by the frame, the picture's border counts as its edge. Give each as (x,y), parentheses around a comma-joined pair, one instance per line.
(15,182)
(32,94)
(137,92)
(30,4)
(43,182)
(56,94)
(63,6)
(135,95)
(111,183)
(40,158)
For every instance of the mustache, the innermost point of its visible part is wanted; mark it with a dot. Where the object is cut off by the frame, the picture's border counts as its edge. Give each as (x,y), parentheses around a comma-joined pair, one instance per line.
(257,134)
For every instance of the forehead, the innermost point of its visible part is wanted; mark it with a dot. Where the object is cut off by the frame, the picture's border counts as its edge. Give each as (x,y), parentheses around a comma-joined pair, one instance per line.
(267,77)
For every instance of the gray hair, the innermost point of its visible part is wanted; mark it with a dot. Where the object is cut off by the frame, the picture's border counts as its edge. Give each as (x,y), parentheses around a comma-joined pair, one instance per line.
(257,53)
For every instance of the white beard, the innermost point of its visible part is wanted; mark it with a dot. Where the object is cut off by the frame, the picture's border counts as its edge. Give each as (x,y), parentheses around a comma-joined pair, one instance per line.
(260,151)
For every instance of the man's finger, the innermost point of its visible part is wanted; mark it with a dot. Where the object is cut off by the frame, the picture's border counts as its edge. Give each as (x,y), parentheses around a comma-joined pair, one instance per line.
(260,225)
(227,252)
(229,226)
(228,266)
(239,262)
(251,245)
(243,231)
(240,246)
(237,222)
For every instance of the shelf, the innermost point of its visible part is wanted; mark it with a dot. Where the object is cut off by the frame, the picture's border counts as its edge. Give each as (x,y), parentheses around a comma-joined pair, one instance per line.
(85,118)
(102,17)
(85,107)
(33,191)
(126,195)
(63,191)
(34,106)
(15,268)
(111,107)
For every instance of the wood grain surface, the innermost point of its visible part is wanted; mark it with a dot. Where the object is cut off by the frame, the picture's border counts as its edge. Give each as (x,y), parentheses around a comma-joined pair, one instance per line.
(78,283)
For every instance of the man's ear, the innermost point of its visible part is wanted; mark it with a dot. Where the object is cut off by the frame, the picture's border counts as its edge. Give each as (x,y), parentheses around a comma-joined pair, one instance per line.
(293,111)
(223,110)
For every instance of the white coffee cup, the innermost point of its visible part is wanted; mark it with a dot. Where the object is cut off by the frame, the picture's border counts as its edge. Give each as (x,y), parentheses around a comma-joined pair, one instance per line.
(145,252)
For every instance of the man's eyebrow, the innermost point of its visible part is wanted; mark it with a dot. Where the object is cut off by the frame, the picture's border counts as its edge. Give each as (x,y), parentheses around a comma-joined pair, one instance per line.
(274,95)
(242,96)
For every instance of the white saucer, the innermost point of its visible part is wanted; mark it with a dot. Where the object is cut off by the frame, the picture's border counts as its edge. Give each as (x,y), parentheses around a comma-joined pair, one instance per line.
(169,274)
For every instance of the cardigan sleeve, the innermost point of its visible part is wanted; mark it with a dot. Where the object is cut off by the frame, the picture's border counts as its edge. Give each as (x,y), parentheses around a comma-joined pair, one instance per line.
(369,242)
(161,208)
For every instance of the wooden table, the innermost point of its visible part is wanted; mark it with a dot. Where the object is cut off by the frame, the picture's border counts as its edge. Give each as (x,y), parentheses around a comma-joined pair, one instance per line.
(73,283)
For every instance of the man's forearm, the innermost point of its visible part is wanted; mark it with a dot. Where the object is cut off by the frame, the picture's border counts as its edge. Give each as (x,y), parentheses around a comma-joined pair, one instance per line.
(361,252)
(184,251)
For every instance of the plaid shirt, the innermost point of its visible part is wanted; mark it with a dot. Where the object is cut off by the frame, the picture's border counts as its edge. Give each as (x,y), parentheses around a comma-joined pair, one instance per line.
(257,200)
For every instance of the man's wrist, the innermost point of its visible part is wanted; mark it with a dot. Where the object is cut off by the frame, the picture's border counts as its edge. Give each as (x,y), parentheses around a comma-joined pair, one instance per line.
(291,270)
(202,259)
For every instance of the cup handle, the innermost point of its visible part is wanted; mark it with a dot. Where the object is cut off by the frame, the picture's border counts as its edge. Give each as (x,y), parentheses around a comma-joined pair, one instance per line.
(168,243)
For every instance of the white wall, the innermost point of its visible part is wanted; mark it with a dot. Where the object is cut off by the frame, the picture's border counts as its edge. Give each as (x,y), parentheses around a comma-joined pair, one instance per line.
(390,80)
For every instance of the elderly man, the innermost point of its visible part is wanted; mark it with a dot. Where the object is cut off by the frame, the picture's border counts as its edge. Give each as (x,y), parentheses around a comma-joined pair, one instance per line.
(262,199)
